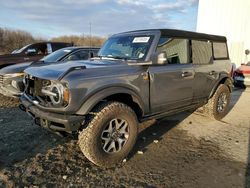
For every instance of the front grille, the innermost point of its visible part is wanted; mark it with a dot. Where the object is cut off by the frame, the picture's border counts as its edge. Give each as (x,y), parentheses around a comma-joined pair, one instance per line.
(33,87)
(1,79)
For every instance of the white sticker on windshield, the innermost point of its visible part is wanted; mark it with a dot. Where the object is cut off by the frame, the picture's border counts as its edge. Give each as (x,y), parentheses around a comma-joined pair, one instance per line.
(141,39)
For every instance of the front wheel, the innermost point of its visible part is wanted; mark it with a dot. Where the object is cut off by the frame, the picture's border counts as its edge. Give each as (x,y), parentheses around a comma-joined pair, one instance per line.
(218,106)
(110,134)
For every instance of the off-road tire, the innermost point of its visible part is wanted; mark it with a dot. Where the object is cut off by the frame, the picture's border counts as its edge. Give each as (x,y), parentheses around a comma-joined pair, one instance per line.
(89,138)
(210,109)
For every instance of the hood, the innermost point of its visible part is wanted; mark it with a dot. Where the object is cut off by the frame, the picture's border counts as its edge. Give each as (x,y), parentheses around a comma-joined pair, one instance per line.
(244,69)
(56,71)
(15,68)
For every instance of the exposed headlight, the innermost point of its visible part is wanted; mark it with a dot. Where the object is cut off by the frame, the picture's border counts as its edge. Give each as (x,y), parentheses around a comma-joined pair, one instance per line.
(6,76)
(57,98)
(57,93)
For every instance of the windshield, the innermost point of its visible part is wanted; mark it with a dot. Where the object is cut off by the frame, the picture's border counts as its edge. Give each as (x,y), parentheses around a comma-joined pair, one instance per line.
(20,50)
(126,47)
(56,56)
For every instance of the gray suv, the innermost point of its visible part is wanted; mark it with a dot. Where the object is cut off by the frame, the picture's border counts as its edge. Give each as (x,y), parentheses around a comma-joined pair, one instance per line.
(137,76)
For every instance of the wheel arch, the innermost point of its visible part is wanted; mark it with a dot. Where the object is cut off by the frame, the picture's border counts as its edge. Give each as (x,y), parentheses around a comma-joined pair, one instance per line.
(224,79)
(119,94)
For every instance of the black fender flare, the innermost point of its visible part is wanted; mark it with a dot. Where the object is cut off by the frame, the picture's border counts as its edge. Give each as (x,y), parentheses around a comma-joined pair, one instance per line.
(224,78)
(100,95)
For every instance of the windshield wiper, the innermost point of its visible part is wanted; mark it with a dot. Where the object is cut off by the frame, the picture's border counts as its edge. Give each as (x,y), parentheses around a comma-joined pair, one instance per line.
(114,57)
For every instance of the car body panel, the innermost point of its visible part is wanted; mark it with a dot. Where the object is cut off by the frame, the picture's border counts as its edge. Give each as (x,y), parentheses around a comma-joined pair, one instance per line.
(175,90)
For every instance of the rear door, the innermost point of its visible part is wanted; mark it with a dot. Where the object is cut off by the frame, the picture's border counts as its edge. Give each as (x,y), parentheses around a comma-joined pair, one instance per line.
(206,73)
(171,84)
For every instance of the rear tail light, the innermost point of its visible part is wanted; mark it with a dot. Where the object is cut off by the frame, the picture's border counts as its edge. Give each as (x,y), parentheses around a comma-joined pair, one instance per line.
(239,74)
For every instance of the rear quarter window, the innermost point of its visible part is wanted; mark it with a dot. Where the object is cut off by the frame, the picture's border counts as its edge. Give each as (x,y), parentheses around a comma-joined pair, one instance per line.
(220,50)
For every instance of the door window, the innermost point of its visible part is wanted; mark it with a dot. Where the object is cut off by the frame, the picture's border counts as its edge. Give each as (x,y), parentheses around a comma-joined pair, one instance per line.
(79,55)
(176,50)
(49,48)
(38,49)
(201,52)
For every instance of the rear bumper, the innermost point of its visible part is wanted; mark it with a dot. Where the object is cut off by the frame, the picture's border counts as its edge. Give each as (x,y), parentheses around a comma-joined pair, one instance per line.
(53,121)
(242,81)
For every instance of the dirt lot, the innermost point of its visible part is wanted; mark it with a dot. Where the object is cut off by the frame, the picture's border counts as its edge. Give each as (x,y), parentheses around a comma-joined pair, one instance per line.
(185,150)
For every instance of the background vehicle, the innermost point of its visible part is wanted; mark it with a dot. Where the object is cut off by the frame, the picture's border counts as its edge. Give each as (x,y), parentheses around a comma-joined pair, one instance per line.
(242,74)
(138,75)
(11,77)
(31,52)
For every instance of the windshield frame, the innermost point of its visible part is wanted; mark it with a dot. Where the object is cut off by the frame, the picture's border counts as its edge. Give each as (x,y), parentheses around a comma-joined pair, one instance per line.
(18,51)
(153,41)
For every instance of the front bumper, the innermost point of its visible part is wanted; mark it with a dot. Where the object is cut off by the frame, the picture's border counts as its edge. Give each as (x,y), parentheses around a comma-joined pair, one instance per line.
(7,89)
(52,121)
(10,92)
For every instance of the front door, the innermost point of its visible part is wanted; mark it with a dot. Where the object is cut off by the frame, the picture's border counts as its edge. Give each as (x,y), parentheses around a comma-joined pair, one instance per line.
(171,84)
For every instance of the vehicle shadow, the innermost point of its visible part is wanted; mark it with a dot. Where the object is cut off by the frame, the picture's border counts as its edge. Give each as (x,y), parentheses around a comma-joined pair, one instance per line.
(21,139)
(152,131)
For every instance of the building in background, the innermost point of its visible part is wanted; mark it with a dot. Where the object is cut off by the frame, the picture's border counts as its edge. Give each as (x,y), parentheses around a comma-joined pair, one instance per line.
(230,18)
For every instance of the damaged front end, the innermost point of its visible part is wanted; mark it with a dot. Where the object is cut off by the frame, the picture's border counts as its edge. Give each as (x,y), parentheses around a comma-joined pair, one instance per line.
(42,97)
(46,93)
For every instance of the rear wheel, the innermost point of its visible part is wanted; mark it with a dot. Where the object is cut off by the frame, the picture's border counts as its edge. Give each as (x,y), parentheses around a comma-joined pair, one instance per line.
(109,135)
(218,106)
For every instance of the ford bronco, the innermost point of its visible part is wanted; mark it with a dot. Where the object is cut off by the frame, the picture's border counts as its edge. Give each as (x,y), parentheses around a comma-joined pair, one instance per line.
(137,76)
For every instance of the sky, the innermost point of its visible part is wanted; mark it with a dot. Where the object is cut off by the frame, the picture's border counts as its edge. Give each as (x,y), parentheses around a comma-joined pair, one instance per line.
(52,18)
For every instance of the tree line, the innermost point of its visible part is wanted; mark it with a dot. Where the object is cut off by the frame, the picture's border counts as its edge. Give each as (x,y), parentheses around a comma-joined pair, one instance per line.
(11,40)
(14,39)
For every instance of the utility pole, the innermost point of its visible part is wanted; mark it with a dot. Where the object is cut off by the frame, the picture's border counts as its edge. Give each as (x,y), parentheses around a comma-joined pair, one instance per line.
(90,35)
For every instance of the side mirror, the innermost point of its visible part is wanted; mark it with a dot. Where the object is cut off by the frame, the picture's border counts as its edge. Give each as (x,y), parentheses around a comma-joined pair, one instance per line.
(159,58)
(247,51)
(31,51)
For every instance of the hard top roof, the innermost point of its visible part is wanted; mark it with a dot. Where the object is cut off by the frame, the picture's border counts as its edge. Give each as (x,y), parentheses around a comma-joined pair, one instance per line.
(181,34)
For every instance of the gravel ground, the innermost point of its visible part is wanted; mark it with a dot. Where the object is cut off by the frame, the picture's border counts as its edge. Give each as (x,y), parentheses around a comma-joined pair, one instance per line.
(185,150)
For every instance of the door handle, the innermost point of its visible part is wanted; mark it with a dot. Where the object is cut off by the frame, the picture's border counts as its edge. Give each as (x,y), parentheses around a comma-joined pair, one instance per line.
(212,73)
(186,74)
(26,58)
